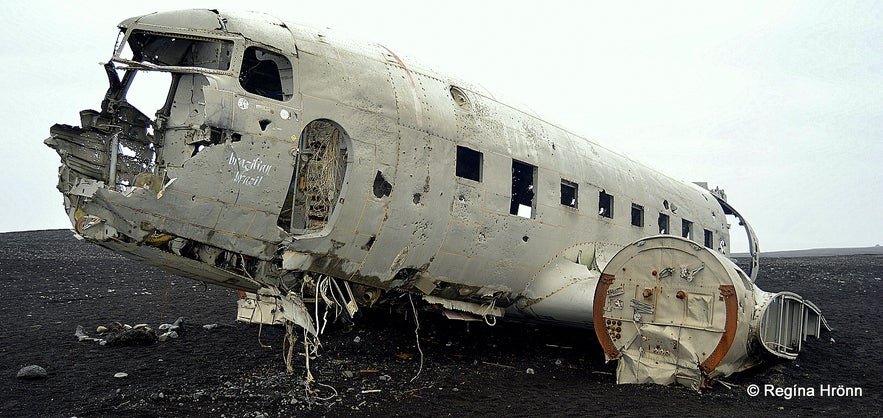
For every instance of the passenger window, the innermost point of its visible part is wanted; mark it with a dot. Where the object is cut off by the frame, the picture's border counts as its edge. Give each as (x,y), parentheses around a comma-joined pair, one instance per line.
(605,204)
(637,215)
(663,223)
(267,74)
(686,229)
(569,193)
(469,163)
(523,180)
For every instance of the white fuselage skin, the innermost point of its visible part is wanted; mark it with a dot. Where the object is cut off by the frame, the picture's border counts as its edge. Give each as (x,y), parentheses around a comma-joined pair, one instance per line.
(402,217)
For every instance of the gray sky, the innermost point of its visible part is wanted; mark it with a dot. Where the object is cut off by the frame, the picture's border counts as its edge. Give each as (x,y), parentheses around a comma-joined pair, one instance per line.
(779,104)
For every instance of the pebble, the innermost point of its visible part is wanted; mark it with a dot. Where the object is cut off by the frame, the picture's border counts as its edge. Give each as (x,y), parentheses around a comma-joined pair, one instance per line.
(31,372)
(357,339)
(101,329)
(530,371)
(210,326)
(385,378)
(121,375)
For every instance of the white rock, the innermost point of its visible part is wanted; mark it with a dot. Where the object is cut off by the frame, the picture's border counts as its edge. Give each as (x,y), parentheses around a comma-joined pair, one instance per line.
(210,326)
(121,375)
(530,371)
(31,372)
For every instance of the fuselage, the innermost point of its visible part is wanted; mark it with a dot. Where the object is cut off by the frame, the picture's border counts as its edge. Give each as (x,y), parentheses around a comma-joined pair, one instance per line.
(281,150)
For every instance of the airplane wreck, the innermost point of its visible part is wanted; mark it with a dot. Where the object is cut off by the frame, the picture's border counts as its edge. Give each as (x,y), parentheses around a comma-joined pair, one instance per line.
(308,171)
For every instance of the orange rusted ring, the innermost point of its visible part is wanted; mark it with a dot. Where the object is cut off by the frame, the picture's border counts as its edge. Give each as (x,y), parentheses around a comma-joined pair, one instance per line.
(598,316)
(723,346)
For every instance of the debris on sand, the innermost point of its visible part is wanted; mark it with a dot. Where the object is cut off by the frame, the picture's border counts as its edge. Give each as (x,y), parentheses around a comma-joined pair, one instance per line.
(167,335)
(123,334)
(121,375)
(173,326)
(31,372)
(81,335)
(134,336)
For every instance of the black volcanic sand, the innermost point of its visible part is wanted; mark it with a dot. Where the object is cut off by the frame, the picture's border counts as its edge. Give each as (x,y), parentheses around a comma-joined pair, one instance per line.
(52,283)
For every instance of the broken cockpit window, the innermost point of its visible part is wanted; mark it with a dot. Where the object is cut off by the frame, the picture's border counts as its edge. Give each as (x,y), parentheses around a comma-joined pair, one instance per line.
(168,50)
(149,58)
(267,74)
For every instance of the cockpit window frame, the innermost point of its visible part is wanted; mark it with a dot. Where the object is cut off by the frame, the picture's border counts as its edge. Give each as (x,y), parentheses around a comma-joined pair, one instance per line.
(286,72)
(130,64)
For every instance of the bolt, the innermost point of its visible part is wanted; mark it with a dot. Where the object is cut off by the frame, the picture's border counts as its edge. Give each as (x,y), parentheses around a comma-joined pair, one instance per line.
(648,293)
(681,294)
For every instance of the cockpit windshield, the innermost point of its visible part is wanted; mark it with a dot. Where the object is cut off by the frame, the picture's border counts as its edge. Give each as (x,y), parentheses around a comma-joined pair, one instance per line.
(171,50)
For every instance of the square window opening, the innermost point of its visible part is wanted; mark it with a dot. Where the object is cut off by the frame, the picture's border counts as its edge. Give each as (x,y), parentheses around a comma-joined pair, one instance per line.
(637,215)
(569,193)
(709,239)
(605,204)
(686,229)
(469,163)
(663,223)
(523,181)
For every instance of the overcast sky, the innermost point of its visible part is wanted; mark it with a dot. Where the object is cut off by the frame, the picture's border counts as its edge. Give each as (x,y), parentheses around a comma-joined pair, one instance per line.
(778,103)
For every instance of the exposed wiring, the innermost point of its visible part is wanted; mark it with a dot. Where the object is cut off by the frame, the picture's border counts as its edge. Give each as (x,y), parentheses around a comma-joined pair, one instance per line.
(417,335)
(486,313)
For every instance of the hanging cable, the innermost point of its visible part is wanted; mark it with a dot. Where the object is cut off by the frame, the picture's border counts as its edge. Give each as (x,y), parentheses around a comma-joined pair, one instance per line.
(486,313)
(417,335)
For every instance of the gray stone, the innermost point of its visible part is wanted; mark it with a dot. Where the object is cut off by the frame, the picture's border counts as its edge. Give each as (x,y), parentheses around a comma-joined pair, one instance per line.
(121,375)
(210,326)
(31,372)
